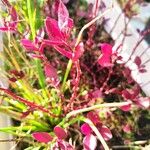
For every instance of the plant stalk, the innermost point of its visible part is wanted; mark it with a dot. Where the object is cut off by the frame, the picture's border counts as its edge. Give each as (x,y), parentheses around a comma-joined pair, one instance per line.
(90,123)
(75,112)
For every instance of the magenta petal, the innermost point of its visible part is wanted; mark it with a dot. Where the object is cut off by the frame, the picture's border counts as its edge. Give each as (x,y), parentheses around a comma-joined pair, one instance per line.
(106,49)
(85,129)
(53,29)
(51,74)
(28,45)
(105,61)
(60,132)
(126,107)
(63,145)
(63,16)
(89,142)
(70,23)
(106,133)
(93,116)
(63,52)
(42,137)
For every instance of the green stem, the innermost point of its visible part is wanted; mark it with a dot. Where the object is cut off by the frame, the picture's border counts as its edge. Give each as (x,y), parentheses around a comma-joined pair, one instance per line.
(32,16)
(66,75)
(40,73)
(79,111)
(31,19)
(77,42)
(75,112)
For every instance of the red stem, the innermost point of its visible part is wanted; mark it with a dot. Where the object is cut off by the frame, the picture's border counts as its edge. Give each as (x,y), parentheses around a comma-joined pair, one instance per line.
(26,102)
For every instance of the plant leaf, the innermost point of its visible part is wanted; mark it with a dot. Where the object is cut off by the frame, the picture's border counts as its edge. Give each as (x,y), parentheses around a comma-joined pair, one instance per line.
(85,129)
(143,102)
(63,16)
(42,137)
(60,132)
(51,73)
(126,107)
(93,116)
(106,133)
(137,61)
(28,44)
(89,142)
(53,29)
(105,59)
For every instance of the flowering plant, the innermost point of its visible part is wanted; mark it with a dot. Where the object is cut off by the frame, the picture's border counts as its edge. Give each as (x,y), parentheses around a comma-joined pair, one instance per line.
(66,88)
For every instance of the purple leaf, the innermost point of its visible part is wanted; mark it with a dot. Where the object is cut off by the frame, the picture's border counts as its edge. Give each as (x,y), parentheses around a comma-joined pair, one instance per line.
(135,91)
(143,102)
(96,94)
(142,70)
(63,145)
(63,52)
(29,45)
(42,137)
(105,59)
(106,49)
(126,107)
(137,61)
(126,94)
(89,142)
(106,133)
(51,73)
(70,23)
(93,116)
(60,132)
(63,16)
(53,29)
(85,129)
